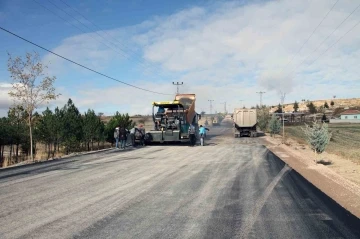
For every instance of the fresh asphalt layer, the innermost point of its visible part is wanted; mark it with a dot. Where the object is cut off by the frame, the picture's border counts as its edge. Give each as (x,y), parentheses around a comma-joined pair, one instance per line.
(230,188)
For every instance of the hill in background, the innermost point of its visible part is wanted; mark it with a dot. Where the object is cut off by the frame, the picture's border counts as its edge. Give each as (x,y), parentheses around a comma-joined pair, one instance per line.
(338,103)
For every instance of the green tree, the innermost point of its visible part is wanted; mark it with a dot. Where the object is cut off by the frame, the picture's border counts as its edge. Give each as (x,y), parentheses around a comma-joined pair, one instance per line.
(90,128)
(332,103)
(17,129)
(318,136)
(4,137)
(72,131)
(27,91)
(263,118)
(58,129)
(117,120)
(279,109)
(100,134)
(312,108)
(274,125)
(296,106)
(45,130)
(326,105)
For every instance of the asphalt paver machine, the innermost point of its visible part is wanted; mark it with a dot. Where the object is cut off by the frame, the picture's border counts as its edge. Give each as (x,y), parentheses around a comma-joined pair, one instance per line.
(172,119)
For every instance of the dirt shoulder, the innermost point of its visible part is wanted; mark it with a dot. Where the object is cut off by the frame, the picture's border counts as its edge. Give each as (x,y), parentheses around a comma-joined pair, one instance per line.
(340,180)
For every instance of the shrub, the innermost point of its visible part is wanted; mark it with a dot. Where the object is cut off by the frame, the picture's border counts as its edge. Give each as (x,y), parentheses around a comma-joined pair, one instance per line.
(326,105)
(296,106)
(274,125)
(263,118)
(318,136)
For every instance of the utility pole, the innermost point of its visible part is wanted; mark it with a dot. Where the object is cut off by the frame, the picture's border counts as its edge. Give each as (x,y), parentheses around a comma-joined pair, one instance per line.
(261,93)
(177,86)
(210,105)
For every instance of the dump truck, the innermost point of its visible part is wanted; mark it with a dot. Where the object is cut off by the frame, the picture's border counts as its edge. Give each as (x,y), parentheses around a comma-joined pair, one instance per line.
(216,121)
(171,124)
(245,122)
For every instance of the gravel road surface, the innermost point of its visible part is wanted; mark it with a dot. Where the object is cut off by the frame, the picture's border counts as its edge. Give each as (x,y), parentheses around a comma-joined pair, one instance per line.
(230,188)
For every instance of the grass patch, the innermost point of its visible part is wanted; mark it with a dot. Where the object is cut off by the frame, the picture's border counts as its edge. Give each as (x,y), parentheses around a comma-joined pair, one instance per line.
(345,141)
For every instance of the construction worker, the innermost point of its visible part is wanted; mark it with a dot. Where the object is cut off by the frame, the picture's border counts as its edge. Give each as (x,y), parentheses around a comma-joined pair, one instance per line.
(132,136)
(142,132)
(192,136)
(122,137)
(161,110)
(202,133)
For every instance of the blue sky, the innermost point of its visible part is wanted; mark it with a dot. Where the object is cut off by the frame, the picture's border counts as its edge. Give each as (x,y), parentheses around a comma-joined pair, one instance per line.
(221,50)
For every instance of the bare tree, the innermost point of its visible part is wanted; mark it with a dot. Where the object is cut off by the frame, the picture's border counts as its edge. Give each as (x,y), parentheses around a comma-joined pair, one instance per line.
(27,91)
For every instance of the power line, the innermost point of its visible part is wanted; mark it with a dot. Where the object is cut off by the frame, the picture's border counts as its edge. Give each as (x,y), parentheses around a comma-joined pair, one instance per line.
(75,26)
(312,33)
(67,59)
(328,36)
(118,42)
(121,53)
(339,39)
(352,28)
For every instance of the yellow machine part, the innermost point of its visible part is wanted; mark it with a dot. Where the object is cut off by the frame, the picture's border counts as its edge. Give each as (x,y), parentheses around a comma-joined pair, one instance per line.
(166,103)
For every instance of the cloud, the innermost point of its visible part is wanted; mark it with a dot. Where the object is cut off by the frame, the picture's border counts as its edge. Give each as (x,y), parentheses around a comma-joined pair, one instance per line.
(227,52)
(84,49)
(259,39)
(276,81)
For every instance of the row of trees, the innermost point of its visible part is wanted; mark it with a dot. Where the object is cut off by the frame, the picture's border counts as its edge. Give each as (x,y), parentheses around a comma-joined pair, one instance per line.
(310,105)
(62,131)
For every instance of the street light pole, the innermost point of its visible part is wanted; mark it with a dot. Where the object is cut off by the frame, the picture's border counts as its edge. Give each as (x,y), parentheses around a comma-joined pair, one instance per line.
(177,86)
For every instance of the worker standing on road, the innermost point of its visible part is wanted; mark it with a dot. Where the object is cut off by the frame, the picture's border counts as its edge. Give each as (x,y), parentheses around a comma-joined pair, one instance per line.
(116,137)
(192,136)
(202,132)
(141,130)
(122,137)
(132,136)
